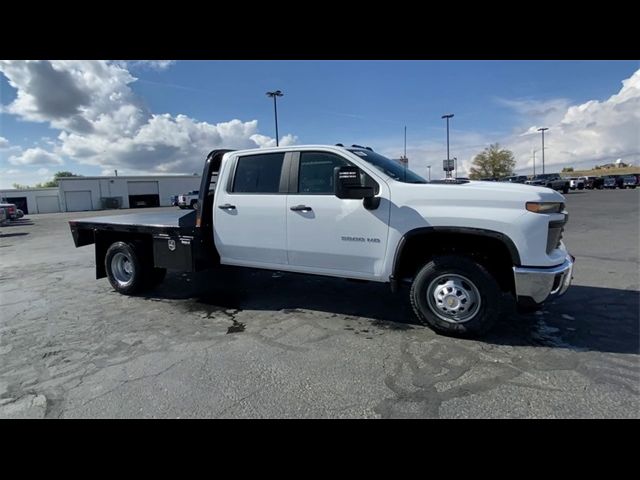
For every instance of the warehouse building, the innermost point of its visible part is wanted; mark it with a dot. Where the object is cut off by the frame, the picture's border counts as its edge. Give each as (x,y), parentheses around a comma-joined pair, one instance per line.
(33,200)
(76,194)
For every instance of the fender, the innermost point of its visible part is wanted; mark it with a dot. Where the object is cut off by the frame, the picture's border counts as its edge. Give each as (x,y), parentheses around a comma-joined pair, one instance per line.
(511,247)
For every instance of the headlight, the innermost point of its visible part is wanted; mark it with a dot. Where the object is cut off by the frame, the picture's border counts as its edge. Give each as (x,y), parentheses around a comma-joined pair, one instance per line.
(545,207)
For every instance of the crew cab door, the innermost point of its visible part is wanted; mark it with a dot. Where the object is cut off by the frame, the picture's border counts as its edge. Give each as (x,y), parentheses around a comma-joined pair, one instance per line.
(250,211)
(328,235)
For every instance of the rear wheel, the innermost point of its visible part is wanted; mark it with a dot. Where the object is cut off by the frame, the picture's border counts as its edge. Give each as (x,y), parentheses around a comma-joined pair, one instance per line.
(127,270)
(454,295)
(565,189)
(194,204)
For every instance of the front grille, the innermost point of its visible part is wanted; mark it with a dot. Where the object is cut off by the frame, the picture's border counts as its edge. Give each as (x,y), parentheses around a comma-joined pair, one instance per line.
(555,235)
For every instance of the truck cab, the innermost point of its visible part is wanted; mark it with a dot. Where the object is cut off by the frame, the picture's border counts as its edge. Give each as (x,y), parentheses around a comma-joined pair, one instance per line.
(350,212)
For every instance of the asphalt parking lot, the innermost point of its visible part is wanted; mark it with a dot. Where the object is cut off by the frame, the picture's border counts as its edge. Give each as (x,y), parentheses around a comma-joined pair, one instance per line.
(262,344)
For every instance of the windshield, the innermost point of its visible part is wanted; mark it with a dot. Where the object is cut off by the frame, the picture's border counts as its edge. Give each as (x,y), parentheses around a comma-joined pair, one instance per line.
(394,169)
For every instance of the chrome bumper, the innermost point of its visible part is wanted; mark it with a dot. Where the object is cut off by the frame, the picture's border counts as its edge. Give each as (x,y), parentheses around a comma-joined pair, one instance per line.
(541,283)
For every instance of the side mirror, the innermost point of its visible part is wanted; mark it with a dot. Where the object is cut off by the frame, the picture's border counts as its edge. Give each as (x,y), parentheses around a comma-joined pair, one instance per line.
(347,185)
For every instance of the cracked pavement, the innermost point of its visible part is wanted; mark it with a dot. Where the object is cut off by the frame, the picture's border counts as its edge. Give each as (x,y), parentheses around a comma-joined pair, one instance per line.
(243,343)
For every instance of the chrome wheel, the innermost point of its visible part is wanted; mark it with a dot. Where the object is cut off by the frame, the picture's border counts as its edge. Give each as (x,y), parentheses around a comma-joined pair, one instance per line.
(453,298)
(122,269)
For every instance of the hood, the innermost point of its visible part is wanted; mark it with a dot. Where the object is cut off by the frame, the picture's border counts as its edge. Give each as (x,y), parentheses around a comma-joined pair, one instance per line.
(475,193)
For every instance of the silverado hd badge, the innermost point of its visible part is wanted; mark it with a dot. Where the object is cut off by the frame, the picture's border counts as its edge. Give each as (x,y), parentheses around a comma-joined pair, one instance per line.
(172,244)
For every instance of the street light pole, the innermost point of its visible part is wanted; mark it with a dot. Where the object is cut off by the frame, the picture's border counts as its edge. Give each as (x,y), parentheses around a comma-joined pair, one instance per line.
(448,116)
(429,167)
(542,129)
(274,95)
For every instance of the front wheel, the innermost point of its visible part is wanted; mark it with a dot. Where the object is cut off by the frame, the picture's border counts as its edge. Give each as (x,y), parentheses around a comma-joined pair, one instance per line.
(455,295)
(565,189)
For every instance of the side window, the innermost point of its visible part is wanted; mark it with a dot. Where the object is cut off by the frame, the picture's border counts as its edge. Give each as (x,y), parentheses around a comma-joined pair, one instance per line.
(316,172)
(258,173)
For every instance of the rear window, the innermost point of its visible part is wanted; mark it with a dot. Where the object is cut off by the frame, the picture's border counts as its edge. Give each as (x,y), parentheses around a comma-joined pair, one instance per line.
(258,173)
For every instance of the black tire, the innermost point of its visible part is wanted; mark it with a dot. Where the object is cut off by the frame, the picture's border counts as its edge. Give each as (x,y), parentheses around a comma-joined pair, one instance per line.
(487,311)
(194,204)
(565,189)
(138,266)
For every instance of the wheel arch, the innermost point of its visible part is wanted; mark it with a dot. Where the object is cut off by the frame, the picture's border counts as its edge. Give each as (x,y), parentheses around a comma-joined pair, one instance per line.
(411,249)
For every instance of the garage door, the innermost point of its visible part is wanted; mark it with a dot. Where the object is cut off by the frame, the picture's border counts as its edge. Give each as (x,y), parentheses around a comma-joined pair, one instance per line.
(143,188)
(48,204)
(78,201)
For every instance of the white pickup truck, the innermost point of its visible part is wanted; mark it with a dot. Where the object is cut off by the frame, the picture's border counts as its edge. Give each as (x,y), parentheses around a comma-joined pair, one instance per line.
(349,212)
(189,200)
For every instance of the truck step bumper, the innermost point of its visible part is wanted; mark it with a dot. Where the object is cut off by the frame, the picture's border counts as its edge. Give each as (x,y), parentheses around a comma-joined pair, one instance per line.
(541,283)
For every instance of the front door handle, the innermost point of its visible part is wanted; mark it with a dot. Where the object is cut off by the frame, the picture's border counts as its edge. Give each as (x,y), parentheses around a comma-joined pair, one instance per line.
(227,206)
(301,208)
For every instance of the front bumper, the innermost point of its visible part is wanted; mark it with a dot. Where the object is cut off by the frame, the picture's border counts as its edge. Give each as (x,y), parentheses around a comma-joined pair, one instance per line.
(542,283)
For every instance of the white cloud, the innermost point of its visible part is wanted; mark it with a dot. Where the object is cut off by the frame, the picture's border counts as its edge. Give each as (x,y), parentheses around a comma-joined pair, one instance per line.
(589,133)
(152,64)
(580,136)
(43,171)
(103,123)
(35,156)
(4,143)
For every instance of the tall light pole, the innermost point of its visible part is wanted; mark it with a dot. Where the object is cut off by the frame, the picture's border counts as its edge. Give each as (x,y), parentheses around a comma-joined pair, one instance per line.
(429,167)
(542,129)
(275,94)
(448,116)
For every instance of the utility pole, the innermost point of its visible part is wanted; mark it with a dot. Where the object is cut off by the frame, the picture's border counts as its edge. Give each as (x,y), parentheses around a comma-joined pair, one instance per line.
(542,129)
(429,167)
(275,94)
(405,141)
(448,116)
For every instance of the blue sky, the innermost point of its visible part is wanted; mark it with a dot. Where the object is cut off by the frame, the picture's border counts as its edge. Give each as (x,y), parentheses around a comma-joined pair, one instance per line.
(366,102)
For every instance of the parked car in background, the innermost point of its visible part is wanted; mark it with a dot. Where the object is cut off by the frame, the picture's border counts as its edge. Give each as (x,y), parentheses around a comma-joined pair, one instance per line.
(189,200)
(550,180)
(515,179)
(610,182)
(592,183)
(174,200)
(629,181)
(576,183)
(12,211)
(3,216)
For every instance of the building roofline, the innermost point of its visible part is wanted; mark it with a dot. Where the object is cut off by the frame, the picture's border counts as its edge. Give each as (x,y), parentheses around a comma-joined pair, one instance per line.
(113,177)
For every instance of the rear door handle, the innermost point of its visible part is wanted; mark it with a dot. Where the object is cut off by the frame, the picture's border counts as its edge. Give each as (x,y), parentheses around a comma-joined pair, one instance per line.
(301,208)
(227,206)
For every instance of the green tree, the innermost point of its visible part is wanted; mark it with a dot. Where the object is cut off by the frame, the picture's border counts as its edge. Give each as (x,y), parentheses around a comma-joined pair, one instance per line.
(56,179)
(567,169)
(492,162)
